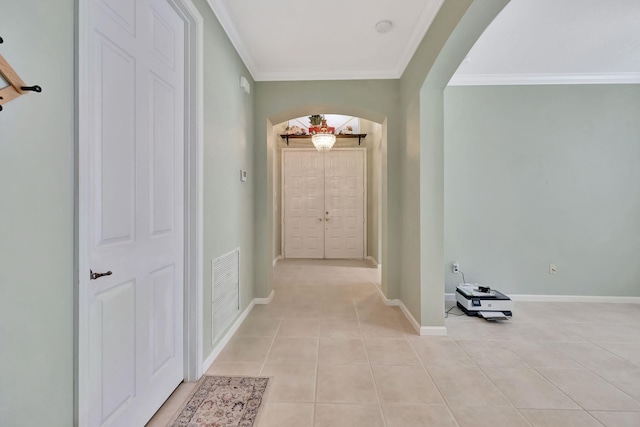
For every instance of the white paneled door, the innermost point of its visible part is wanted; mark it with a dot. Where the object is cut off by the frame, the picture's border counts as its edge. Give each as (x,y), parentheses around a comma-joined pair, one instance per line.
(136,208)
(344,204)
(303,204)
(324,203)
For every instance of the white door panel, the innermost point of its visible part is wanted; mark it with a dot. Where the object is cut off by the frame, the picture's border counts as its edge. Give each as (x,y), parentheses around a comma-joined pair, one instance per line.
(113,317)
(303,204)
(344,205)
(324,203)
(136,206)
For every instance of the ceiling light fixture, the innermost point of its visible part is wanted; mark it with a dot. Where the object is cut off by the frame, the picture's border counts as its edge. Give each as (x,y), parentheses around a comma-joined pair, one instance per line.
(384,26)
(323,140)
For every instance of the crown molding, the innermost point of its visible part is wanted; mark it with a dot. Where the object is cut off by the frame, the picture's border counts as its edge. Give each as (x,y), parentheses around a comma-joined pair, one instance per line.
(363,74)
(223,14)
(420,30)
(543,79)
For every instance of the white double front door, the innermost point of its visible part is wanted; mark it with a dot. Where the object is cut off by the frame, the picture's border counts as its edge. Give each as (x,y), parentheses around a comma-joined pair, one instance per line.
(324,203)
(131,321)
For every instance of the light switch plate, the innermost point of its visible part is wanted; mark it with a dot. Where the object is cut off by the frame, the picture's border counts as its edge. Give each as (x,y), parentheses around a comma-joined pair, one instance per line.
(243,175)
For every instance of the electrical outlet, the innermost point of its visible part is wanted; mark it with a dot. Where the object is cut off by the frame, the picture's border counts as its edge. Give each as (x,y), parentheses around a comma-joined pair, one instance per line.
(455,267)
(552,269)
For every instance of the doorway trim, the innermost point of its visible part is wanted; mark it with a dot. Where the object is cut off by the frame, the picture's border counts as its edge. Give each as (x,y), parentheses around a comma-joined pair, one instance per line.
(365,200)
(194,196)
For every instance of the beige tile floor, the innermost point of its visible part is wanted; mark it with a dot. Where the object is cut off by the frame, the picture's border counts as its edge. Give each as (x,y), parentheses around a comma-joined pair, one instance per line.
(340,357)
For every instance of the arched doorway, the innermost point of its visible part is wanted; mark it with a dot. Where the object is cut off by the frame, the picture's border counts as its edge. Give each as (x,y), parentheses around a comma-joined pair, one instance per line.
(345,180)
(271,136)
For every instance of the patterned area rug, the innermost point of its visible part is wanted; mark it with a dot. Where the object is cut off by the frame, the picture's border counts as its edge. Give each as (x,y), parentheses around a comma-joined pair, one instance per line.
(223,402)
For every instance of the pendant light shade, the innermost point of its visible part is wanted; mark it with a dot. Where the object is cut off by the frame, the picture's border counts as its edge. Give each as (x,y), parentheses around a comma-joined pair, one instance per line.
(323,140)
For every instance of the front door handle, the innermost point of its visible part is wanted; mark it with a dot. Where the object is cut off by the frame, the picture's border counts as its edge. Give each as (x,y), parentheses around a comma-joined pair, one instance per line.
(94,276)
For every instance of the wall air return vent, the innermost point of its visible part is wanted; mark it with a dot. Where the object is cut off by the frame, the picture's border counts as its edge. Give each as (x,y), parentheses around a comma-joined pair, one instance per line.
(225,292)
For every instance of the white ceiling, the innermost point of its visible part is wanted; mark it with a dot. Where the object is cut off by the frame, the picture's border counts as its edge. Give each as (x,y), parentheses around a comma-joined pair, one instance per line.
(530,42)
(557,41)
(325,40)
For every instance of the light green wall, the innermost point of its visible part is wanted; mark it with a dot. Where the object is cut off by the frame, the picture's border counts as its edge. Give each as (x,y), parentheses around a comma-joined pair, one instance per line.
(544,174)
(412,171)
(452,34)
(277,187)
(375,100)
(37,179)
(37,208)
(228,147)
(432,204)
(36,215)
(413,286)
(476,19)
(430,48)
(373,143)
(410,285)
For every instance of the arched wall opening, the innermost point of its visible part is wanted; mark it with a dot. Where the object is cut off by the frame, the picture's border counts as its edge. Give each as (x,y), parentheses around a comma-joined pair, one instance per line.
(375,144)
(547,168)
(411,110)
(276,102)
(370,139)
(423,98)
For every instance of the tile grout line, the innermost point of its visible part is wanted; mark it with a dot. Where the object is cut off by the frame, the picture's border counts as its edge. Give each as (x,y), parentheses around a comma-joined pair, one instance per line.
(373,377)
(600,376)
(315,391)
(586,369)
(487,376)
(480,368)
(526,420)
(264,363)
(507,398)
(424,368)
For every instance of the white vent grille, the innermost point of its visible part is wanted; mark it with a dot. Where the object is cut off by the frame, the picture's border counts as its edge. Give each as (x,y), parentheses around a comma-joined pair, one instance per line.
(225,292)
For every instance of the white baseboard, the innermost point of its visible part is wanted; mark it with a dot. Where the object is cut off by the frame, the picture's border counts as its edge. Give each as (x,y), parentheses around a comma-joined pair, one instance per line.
(563,298)
(225,339)
(420,330)
(372,261)
(437,331)
(266,300)
(387,301)
(574,298)
(232,330)
(410,318)
(276,259)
